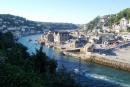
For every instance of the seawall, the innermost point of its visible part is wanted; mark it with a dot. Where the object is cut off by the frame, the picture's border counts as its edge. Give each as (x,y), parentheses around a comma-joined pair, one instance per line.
(111,62)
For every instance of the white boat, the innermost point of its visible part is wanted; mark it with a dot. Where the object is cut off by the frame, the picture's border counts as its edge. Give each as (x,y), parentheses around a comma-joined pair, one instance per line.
(76,70)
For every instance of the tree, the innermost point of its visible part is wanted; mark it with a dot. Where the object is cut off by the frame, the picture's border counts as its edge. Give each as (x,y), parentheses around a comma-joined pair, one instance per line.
(52,66)
(17,54)
(7,40)
(40,61)
(14,76)
(19,69)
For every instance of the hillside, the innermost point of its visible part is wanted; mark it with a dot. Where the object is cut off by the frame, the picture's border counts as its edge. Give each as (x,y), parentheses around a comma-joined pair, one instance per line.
(117,17)
(108,20)
(97,22)
(7,21)
(52,26)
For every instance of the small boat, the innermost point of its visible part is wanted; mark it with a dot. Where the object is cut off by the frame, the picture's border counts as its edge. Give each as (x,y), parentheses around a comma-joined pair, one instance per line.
(62,53)
(76,70)
(50,46)
(30,40)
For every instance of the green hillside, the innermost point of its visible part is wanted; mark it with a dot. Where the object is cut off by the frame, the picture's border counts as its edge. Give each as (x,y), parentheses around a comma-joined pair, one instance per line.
(117,17)
(109,19)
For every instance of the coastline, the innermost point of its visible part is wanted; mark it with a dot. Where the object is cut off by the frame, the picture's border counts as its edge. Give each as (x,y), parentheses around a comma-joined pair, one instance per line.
(89,70)
(116,63)
(110,62)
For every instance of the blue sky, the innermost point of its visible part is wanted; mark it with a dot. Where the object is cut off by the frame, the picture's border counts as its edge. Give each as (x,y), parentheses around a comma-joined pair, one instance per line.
(72,11)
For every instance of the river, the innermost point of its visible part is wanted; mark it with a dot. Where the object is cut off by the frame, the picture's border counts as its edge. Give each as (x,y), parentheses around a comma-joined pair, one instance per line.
(92,74)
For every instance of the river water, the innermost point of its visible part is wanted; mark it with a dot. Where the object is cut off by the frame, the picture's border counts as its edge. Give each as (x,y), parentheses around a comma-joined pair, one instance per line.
(91,74)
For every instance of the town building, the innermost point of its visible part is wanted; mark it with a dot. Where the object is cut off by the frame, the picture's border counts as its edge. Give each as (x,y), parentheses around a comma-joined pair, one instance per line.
(116,28)
(105,39)
(50,37)
(123,24)
(61,36)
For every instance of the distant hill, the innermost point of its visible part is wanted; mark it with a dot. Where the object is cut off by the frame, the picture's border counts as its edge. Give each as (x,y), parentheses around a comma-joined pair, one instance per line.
(108,20)
(53,26)
(7,20)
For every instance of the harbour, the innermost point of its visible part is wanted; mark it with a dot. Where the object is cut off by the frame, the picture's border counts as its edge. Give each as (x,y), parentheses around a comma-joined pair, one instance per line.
(105,50)
(65,43)
(94,73)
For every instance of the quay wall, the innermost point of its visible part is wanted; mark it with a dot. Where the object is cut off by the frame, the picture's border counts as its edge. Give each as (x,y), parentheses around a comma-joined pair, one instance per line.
(114,63)
(111,62)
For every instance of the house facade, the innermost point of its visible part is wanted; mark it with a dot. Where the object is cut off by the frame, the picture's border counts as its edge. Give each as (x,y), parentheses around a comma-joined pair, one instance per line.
(61,37)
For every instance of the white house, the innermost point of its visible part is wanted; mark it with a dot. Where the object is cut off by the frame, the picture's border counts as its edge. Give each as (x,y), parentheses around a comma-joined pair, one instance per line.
(123,23)
(116,28)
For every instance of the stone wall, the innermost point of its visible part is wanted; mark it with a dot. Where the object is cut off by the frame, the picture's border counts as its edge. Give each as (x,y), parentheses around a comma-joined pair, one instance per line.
(111,62)
(114,63)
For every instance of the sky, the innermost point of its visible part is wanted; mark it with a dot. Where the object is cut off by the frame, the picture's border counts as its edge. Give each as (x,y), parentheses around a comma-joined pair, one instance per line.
(70,11)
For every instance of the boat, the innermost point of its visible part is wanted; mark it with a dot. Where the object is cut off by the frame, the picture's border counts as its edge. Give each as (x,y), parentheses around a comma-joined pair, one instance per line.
(62,53)
(50,46)
(30,40)
(76,70)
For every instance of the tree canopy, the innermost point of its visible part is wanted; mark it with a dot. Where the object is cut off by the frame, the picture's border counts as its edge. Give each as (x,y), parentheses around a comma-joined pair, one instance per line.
(19,69)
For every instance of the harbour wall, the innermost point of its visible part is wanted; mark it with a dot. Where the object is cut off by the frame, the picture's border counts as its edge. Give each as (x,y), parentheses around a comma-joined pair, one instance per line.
(114,63)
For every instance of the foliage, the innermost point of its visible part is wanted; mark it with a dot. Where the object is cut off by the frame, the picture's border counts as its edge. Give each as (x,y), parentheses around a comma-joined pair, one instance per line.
(55,26)
(19,69)
(93,23)
(17,54)
(40,61)
(6,40)
(14,76)
(128,29)
(117,17)
(52,66)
